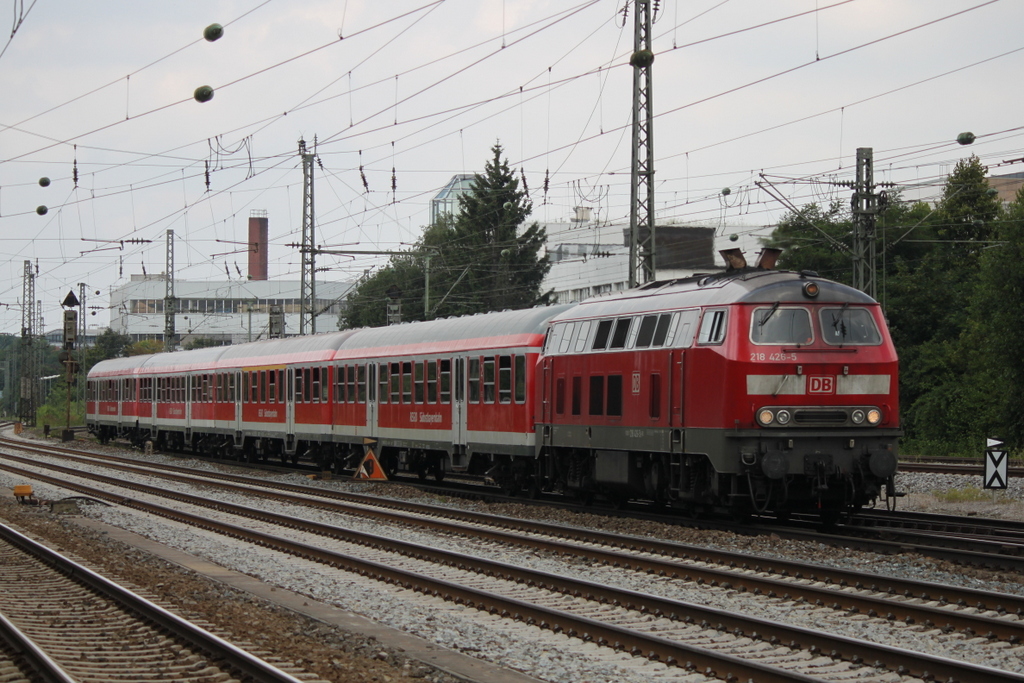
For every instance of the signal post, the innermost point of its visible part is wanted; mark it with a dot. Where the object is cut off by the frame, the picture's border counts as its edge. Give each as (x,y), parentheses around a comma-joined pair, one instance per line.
(67,357)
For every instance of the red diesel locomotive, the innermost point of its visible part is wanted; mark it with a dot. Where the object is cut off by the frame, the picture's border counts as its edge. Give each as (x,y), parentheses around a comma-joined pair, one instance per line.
(748,391)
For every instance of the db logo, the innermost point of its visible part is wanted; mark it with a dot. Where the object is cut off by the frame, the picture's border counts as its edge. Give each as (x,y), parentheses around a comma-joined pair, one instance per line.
(821,385)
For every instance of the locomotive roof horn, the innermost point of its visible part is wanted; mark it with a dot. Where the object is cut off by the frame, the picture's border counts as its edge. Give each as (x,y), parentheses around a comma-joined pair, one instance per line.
(768,257)
(734,258)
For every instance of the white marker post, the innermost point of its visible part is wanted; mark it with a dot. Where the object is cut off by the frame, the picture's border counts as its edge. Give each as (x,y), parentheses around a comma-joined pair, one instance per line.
(996,466)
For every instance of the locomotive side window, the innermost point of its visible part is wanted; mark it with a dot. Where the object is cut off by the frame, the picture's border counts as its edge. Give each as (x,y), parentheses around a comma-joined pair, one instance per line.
(646,328)
(520,378)
(325,385)
(350,370)
(621,333)
(360,382)
(315,385)
(774,325)
(614,395)
(552,338)
(597,394)
(604,329)
(577,394)
(307,385)
(272,386)
(446,380)
(474,380)
(661,331)
(489,379)
(582,336)
(298,385)
(712,327)
(566,337)
(263,386)
(849,326)
(339,384)
(560,396)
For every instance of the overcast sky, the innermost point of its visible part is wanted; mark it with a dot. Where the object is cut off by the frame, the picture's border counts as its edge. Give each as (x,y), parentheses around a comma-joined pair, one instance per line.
(787,88)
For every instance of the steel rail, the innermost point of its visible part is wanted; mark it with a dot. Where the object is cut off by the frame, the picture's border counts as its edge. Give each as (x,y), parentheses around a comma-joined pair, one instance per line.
(22,646)
(902,661)
(233,656)
(942,593)
(893,610)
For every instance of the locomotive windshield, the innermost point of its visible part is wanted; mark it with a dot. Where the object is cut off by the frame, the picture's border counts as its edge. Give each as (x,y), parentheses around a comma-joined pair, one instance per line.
(849,326)
(774,325)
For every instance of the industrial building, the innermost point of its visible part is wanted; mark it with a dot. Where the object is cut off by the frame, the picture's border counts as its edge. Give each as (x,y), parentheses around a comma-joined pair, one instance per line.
(226,311)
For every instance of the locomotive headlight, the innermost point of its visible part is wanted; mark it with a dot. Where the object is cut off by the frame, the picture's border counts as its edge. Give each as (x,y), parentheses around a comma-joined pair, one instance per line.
(783,417)
(874,416)
(857,416)
(765,417)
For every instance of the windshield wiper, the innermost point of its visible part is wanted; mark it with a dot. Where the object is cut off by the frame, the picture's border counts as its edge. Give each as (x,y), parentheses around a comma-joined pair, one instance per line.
(770,313)
(838,323)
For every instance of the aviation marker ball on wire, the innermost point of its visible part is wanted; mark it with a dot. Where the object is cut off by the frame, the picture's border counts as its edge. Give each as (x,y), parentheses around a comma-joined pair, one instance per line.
(203,93)
(44,182)
(213,32)
(734,237)
(41,209)
(642,59)
(965,138)
(726,191)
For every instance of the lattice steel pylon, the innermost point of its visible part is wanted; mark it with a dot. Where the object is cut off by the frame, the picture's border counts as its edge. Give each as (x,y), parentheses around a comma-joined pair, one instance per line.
(307,313)
(641,191)
(865,206)
(170,301)
(29,376)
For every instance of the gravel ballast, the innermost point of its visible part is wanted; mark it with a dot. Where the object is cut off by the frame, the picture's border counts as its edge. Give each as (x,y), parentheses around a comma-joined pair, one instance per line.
(538,653)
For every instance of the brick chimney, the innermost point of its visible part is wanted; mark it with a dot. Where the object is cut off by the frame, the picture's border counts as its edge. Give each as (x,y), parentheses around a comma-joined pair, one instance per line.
(259,230)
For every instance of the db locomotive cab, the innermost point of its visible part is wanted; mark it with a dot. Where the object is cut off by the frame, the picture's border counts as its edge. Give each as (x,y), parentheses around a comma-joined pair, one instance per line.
(819,425)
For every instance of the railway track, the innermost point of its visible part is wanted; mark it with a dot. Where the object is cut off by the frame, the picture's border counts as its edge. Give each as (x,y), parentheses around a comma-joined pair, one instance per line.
(65,623)
(991,544)
(786,648)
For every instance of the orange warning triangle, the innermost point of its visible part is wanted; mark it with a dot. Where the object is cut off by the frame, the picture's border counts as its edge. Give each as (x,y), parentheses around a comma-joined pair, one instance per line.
(369,468)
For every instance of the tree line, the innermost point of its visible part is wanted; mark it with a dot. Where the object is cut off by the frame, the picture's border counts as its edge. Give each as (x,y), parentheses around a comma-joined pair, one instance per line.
(950,278)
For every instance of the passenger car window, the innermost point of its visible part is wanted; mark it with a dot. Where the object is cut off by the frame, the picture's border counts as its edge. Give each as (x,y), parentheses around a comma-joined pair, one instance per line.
(774,325)
(846,325)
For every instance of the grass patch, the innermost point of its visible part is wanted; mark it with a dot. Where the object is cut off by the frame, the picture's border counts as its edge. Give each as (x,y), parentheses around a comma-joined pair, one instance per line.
(971,494)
